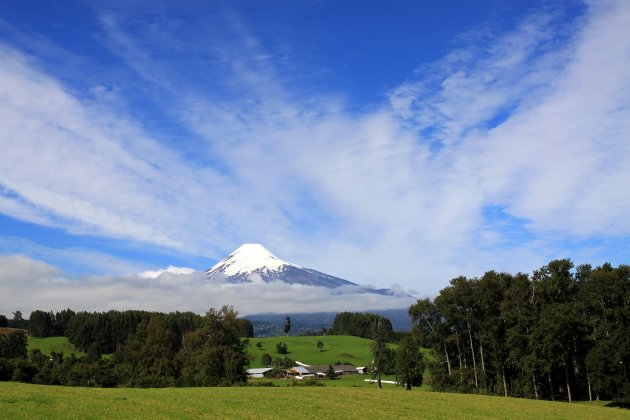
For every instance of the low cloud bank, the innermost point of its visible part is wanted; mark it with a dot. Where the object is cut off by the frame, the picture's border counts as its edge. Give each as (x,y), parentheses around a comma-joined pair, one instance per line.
(27,284)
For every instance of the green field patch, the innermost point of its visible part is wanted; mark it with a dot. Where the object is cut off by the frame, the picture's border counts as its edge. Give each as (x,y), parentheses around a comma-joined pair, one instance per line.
(52,344)
(338,348)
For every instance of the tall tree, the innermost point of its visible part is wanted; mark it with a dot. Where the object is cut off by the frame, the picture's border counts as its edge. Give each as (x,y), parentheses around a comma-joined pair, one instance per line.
(429,329)
(380,352)
(409,364)
(519,313)
(287,326)
(605,298)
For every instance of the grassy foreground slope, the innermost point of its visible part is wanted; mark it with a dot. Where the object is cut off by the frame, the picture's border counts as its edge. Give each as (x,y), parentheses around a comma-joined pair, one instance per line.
(37,401)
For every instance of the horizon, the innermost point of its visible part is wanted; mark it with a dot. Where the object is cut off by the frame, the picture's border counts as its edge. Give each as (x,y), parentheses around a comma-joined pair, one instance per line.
(389,145)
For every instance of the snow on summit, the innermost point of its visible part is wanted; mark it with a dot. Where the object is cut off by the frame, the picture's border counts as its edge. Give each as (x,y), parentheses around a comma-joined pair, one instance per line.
(249,258)
(254,263)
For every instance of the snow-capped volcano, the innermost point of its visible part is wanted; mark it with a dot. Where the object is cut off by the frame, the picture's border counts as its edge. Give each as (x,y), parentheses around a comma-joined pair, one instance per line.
(252,262)
(249,258)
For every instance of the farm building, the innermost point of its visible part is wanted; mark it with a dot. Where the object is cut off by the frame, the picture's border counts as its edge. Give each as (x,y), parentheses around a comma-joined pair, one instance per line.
(299,371)
(345,370)
(258,372)
(320,371)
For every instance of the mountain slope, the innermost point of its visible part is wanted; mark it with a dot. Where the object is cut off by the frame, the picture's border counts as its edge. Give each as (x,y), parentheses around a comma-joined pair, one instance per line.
(253,262)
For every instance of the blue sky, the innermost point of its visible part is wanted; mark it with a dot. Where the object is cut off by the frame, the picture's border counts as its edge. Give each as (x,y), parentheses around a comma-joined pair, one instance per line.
(393,143)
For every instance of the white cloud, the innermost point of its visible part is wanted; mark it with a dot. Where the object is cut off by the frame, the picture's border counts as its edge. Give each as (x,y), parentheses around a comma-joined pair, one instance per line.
(170,269)
(28,284)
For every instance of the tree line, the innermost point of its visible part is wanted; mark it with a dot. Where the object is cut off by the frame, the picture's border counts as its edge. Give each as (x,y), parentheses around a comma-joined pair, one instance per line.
(562,332)
(361,324)
(163,350)
(104,332)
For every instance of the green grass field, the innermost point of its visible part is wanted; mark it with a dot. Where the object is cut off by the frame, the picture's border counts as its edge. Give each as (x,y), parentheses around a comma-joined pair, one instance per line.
(50,344)
(304,349)
(21,401)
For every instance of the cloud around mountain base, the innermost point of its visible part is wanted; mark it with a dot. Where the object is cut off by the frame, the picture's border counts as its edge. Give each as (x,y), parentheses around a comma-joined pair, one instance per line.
(27,284)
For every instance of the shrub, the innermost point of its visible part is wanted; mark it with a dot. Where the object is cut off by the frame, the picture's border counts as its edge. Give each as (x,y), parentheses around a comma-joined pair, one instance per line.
(281,348)
(266,359)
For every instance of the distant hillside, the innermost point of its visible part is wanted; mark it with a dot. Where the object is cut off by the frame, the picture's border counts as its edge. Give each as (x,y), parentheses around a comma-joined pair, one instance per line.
(267,325)
(7,330)
(337,348)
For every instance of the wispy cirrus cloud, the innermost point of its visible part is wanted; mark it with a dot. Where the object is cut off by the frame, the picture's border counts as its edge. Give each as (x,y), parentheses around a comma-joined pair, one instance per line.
(486,79)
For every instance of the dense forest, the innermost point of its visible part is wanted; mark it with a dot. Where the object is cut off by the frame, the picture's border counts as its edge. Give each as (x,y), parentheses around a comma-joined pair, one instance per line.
(559,333)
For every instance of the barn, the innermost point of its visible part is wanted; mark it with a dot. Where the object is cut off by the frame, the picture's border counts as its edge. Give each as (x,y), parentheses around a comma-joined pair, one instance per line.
(257,372)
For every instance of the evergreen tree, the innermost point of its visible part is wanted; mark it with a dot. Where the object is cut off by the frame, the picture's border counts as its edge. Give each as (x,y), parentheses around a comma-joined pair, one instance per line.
(287,326)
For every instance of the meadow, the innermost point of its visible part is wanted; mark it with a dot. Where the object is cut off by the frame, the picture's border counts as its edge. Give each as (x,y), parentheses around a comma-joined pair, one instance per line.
(19,401)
